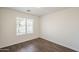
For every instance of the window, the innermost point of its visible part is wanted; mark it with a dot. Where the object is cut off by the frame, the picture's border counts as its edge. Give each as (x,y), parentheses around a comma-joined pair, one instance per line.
(29,26)
(21,26)
(24,26)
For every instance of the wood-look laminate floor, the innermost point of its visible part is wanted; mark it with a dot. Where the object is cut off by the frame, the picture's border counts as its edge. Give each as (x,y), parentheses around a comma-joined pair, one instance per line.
(36,45)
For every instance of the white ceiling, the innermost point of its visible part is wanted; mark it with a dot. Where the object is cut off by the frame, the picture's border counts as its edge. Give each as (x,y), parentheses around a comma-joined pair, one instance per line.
(38,11)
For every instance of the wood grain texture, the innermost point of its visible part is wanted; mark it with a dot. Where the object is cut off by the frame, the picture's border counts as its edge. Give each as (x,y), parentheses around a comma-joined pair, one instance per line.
(36,45)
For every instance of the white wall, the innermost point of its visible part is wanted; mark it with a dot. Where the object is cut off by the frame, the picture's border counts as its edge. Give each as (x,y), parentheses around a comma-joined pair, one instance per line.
(0,26)
(8,27)
(62,27)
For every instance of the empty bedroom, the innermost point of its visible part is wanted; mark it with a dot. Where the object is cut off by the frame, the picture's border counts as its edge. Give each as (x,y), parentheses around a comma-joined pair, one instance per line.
(39,29)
